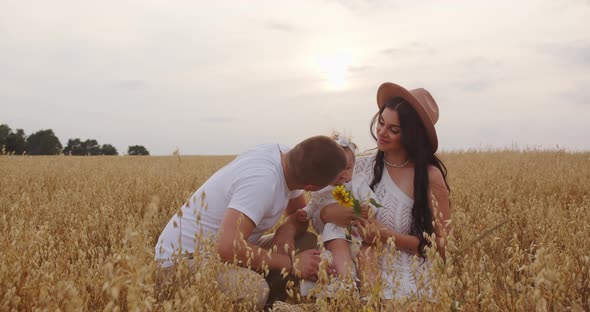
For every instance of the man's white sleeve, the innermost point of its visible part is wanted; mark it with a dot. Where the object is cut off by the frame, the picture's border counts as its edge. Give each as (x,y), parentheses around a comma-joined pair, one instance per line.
(253,196)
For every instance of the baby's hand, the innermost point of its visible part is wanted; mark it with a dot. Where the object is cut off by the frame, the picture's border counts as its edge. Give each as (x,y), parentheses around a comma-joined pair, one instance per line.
(301,215)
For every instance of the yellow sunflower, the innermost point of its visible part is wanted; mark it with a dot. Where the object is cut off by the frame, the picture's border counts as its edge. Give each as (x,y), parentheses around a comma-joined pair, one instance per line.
(343,196)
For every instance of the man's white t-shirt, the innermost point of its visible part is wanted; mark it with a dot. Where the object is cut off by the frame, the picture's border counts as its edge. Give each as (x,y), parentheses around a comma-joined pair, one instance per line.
(253,184)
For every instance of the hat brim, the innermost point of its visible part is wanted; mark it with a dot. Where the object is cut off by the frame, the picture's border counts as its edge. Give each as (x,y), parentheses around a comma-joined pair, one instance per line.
(389,90)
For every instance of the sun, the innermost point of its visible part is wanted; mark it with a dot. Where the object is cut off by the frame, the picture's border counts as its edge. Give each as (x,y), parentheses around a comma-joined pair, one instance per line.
(334,70)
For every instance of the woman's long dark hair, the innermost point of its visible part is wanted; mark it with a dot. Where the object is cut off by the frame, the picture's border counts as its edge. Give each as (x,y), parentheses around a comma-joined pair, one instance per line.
(420,151)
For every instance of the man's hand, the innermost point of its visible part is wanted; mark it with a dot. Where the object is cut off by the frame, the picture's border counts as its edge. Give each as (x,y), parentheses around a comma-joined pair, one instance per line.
(301,215)
(306,264)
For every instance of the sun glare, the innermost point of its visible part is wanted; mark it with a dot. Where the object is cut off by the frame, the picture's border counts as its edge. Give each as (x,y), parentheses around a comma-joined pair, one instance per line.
(334,70)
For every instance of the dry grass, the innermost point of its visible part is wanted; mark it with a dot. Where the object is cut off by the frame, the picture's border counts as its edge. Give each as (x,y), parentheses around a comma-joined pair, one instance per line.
(78,233)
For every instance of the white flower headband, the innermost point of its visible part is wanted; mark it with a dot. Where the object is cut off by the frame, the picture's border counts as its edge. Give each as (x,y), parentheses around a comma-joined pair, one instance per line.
(345,142)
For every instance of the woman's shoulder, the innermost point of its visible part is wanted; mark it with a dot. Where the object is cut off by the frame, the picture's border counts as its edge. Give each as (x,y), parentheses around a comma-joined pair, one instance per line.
(367,154)
(364,165)
(435,176)
(365,159)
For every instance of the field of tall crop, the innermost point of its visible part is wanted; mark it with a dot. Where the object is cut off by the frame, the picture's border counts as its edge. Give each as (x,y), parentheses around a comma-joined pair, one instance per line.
(78,233)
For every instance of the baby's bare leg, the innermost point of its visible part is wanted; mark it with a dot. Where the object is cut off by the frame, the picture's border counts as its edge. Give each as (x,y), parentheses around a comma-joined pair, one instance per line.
(368,269)
(341,257)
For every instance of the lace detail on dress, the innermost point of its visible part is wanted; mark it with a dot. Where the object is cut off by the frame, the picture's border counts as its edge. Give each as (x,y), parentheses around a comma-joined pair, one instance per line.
(396,267)
(396,212)
(364,165)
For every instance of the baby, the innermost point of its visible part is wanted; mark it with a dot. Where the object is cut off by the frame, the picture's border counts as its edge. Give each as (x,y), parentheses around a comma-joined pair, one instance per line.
(336,240)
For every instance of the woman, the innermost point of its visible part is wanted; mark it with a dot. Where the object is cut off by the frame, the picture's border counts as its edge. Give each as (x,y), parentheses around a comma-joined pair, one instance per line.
(407,178)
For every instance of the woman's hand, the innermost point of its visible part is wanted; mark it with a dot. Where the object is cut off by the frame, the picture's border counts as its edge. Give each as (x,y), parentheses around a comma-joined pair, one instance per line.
(366,211)
(337,214)
(372,231)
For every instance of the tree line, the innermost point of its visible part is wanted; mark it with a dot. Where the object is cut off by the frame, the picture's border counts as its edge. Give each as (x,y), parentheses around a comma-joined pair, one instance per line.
(45,142)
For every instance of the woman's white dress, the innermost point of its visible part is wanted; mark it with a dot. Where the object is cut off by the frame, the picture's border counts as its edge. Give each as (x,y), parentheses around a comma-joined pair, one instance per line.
(400,271)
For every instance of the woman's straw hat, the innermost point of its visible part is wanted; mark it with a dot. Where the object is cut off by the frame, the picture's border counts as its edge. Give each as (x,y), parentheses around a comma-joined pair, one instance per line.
(422,102)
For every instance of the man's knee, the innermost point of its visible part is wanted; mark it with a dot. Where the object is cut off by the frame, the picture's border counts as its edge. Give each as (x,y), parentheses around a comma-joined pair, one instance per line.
(263,292)
(244,285)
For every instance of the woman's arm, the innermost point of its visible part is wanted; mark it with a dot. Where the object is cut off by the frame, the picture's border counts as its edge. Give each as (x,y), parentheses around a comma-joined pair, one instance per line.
(337,214)
(373,230)
(441,211)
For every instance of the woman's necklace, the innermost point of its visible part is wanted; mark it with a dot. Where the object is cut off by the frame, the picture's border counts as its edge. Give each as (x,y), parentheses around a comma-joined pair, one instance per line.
(396,166)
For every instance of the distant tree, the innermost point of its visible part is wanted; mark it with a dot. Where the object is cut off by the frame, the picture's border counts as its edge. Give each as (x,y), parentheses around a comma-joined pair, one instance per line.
(78,147)
(137,150)
(11,142)
(43,142)
(75,147)
(92,147)
(108,149)
(4,132)
(16,142)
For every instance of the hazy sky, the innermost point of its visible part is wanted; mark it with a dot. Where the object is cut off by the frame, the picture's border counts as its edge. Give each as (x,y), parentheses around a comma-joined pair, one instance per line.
(216,77)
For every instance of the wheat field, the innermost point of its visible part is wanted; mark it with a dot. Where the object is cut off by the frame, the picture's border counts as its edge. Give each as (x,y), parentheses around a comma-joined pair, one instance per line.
(78,233)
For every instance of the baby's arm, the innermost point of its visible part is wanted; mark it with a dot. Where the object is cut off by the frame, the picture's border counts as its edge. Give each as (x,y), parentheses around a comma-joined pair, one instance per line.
(363,192)
(312,206)
(302,214)
(320,200)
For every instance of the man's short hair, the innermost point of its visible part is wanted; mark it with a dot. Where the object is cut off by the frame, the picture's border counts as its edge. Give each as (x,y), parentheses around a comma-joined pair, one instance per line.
(316,161)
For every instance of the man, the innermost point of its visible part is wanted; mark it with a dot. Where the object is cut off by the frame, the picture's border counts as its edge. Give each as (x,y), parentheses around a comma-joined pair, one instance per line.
(244,199)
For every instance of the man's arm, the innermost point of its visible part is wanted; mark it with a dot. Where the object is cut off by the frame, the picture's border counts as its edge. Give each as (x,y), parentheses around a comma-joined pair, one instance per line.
(232,246)
(291,228)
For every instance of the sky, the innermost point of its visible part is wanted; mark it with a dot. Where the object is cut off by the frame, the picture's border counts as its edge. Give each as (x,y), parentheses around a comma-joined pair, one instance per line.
(217,77)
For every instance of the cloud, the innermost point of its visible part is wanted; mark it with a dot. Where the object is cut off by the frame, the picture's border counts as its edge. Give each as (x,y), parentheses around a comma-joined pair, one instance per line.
(132,85)
(362,5)
(409,50)
(177,69)
(280,26)
(478,73)
(577,2)
(475,85)
(572,53)
(218,119)
(482,62)
(578,95)
(359,69)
